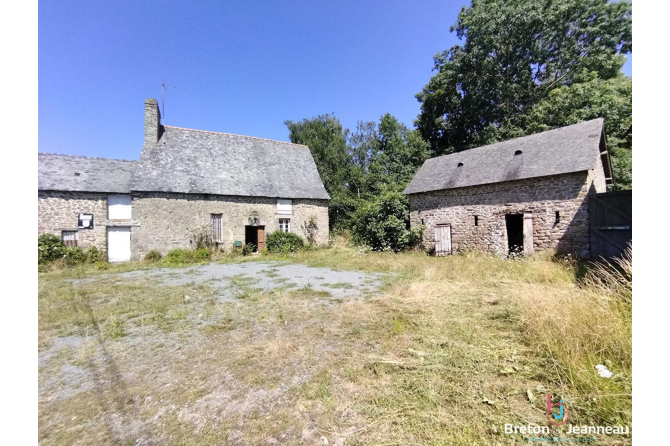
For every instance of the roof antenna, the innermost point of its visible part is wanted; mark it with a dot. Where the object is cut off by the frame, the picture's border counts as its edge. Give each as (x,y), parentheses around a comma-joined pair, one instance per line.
(164,87)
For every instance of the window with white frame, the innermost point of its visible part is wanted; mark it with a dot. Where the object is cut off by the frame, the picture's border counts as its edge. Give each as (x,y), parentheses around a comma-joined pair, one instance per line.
(119,207)
(284,206)
(285,224)
(69,238)
(216,227)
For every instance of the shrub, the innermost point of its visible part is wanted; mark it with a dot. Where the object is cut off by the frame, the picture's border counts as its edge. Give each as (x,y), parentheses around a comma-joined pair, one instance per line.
(153,256)
(383,223)
(248,248)
(181,256)
(93,255)
(101,265)
(177,256)
(284,242)
(49,248)
(202,254)
(74,256)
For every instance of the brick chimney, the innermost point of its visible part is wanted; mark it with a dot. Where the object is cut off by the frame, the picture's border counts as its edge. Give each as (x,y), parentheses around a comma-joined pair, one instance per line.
(152,122)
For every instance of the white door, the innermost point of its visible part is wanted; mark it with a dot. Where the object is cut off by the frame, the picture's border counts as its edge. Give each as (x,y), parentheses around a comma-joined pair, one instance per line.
(118,244)
(442,240)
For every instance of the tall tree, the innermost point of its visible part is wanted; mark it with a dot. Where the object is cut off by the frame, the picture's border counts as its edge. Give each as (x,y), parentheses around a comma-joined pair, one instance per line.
(515,53)
(327,141)
(611,99)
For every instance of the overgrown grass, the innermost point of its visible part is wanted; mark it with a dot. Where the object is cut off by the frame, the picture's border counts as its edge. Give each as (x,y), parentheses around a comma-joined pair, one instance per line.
(447,355)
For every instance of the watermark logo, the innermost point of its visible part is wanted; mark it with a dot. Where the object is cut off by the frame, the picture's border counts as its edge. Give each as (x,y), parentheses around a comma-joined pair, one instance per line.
(560,418)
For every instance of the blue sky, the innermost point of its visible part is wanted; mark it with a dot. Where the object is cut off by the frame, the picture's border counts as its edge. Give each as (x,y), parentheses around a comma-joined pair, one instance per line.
(246,66)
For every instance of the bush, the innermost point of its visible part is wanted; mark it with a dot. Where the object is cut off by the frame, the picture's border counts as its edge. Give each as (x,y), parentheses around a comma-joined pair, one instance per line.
(202,254)
(153,256)
(101,265)
(93,255)
(49,248)
(284,242)
(74,256)
(383,223)
(177,256)
(181,256)
(248,248)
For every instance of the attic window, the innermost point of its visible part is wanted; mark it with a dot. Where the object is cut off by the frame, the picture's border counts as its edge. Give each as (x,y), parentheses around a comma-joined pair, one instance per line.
(460,165)
(518,152)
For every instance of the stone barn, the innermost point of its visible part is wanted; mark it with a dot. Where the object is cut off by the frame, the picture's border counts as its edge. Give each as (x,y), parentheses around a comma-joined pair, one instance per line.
(188,184)
(519,196)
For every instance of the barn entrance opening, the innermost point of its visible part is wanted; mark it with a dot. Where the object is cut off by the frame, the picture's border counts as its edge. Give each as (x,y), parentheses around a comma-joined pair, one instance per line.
(514,226)
(255,235)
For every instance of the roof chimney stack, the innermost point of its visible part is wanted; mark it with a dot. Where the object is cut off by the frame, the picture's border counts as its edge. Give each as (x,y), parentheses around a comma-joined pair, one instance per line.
(152,122)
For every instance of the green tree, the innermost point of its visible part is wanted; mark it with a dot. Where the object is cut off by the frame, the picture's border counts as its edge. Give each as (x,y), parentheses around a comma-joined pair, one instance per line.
(327,141)
(611,99)
(382,221)
(514,54)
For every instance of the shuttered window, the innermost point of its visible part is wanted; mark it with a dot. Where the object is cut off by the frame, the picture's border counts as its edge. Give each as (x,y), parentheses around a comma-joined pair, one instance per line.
(284,206)
(69,238)
(285,224)
(216,228)
(119,207)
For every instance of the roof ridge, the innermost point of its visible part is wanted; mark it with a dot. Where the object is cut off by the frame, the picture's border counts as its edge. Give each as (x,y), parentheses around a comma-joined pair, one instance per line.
(84,156)
(513,139)
(234,134)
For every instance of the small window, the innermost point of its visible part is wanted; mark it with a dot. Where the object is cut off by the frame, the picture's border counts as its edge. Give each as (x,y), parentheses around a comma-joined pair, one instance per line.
(460,164)
(69,238)
(285,224)
(119,207)
(518,152)
(216,228)
(558,217)
(284,207)
(476,220)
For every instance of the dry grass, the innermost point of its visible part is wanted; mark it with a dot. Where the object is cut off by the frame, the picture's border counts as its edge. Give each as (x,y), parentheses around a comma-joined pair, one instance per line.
(445,356)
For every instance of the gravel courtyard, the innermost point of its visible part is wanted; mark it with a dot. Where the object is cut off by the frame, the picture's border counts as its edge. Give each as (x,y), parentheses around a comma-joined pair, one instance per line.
(259,276)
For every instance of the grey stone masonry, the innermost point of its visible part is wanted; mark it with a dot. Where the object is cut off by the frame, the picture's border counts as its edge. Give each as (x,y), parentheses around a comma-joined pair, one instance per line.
(152,122)
(58,211)
(170,220)
(544,198)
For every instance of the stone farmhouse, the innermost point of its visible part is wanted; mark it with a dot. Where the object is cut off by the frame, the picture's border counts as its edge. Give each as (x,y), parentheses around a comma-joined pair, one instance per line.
(523,195)
(187,183)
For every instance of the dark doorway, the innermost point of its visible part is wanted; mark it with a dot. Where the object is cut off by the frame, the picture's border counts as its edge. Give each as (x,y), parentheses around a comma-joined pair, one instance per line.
(255,235)
(514,226)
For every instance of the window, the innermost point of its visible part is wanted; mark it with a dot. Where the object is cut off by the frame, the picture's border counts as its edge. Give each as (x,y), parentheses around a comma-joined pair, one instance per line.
(119,207)
(69,238)
(476,220)
(285,224)
(216,228)
(558,217)
(284,207)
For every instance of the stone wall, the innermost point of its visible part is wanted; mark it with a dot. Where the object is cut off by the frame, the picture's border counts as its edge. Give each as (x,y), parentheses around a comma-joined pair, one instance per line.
(543,197)
(59,211)
(169,220)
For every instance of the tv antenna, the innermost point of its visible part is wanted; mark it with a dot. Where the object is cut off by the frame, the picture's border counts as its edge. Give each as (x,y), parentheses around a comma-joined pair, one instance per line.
(164,87)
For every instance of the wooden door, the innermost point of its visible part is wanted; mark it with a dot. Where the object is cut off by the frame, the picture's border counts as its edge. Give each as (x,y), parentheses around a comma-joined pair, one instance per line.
(528,247)
(261,238)
(442,240)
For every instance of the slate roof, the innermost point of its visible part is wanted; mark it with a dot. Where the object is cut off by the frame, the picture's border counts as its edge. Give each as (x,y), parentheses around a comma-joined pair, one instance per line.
(196,161)
(568,149)
(83,173)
